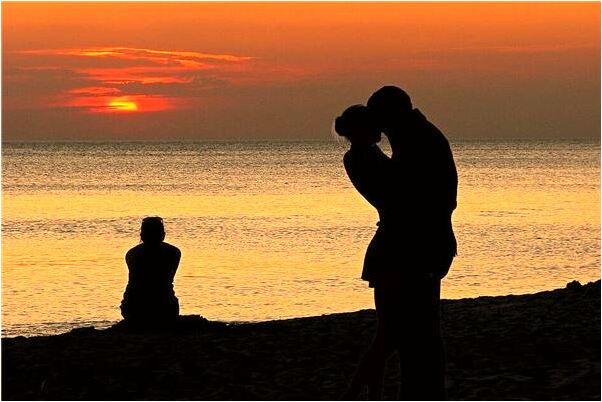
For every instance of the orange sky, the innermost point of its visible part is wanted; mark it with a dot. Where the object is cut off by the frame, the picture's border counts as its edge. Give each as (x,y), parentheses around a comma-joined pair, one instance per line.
(285,70)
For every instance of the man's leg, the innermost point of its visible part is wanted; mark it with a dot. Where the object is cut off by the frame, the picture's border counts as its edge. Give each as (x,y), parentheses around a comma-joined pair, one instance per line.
(421,354)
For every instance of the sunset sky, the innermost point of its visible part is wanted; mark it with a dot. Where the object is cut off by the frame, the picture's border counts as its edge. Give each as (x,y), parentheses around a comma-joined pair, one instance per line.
(121,71)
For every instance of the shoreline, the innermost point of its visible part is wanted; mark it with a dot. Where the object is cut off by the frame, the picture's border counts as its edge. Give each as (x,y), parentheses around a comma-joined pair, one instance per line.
(543,346)
(107,324)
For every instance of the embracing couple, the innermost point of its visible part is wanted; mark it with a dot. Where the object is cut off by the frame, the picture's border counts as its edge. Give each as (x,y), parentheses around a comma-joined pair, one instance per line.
(414,192)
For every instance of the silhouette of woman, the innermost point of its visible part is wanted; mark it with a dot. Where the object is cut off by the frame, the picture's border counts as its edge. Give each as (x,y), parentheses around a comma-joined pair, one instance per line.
(149,297)
(369,169)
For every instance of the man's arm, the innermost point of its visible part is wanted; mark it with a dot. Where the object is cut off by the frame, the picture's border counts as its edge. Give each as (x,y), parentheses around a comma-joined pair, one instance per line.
(442,180)
(446,173)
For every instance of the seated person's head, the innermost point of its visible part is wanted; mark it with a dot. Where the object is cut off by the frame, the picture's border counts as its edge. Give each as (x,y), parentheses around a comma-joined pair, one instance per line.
(357,124)
(389,104)
(152,230)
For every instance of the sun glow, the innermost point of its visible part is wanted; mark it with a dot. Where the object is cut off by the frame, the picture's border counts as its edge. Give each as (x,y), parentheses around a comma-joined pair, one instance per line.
(120,105)
(100,100)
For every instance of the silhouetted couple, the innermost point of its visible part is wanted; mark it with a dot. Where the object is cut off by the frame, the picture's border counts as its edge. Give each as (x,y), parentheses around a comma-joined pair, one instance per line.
(414,193)
(149,299)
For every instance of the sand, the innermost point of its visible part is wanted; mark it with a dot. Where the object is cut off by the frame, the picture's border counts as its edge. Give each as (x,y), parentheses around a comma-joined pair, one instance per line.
(544,346)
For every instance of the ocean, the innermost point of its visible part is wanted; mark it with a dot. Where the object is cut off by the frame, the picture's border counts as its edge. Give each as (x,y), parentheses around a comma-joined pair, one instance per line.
(272,230)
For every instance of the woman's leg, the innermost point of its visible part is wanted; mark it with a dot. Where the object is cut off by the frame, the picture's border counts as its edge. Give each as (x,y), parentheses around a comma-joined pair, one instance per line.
(370,372)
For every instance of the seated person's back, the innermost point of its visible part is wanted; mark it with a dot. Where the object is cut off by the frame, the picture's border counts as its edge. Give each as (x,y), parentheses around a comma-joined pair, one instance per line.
(149,295)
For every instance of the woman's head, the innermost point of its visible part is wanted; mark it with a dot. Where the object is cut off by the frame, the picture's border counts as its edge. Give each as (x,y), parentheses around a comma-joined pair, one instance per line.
(152,230)
(358,125)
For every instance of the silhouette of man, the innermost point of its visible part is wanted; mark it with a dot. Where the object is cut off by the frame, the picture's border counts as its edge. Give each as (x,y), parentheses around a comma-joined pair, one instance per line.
(149,297)
(426,177)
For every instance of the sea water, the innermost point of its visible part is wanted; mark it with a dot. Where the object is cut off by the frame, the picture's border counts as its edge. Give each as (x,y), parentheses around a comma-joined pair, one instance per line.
(273,230)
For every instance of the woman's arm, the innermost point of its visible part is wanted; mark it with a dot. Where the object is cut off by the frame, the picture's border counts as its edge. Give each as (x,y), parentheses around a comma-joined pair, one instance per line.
(370,171)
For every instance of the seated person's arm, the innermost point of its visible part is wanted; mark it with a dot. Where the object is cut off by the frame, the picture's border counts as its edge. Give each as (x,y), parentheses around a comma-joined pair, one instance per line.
(130,261)
(175,261)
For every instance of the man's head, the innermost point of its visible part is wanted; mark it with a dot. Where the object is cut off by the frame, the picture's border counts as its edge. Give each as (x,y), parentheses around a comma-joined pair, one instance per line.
(390,105)
(152,230)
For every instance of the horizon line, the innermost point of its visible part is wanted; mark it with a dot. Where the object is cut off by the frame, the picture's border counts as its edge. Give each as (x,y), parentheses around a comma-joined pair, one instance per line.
(291,140)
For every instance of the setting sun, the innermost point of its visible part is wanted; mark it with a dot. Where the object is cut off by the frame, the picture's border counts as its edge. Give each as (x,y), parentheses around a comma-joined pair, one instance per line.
(123,106)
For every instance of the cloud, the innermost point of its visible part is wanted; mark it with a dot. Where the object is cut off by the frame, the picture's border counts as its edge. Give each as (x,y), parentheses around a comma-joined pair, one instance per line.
(147,55)
(149,79)
(94,91)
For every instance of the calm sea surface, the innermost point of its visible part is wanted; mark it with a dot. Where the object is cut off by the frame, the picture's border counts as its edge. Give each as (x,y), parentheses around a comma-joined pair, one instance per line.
(272,229)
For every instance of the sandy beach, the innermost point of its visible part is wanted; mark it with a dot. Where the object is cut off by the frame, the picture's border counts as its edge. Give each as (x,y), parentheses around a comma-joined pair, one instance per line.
(544,346)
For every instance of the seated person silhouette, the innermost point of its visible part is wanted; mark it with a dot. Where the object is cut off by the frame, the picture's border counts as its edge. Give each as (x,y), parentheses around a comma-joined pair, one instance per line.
(149,297)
